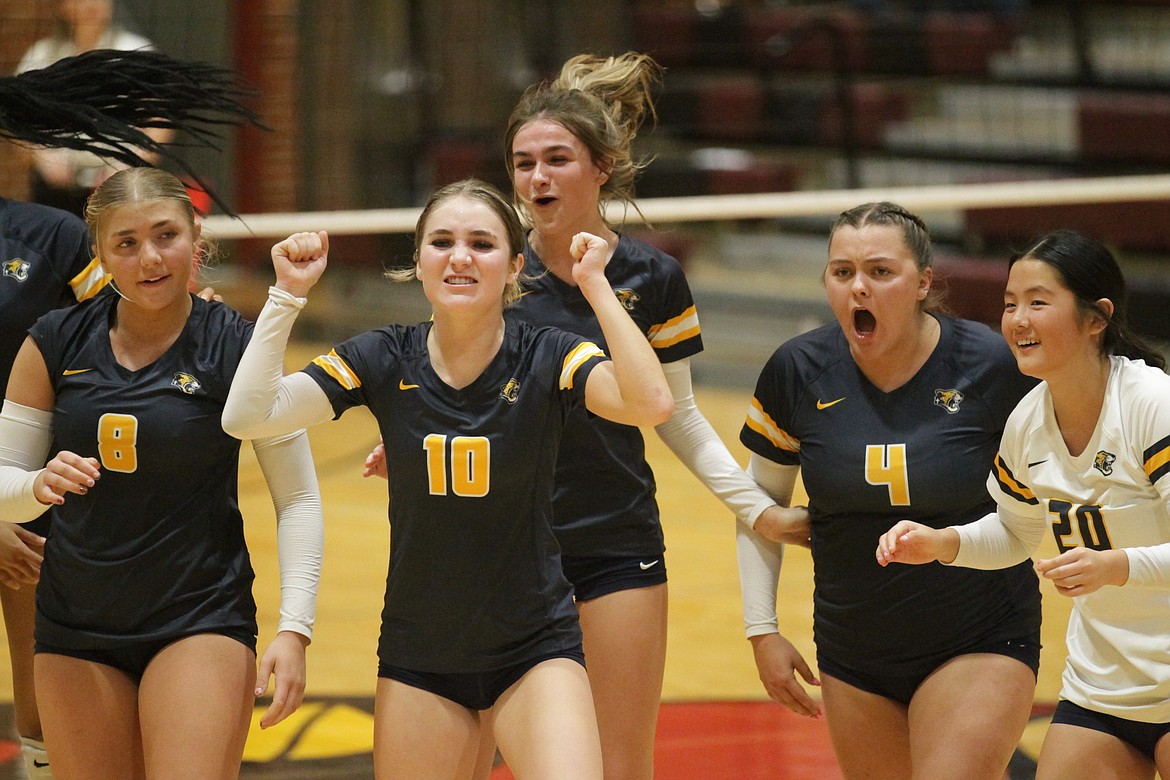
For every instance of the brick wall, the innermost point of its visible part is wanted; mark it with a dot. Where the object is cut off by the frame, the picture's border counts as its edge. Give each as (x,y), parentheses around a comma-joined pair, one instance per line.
(24,22)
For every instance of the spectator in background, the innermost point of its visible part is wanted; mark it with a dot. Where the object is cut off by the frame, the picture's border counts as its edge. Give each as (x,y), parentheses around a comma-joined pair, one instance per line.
(64,178)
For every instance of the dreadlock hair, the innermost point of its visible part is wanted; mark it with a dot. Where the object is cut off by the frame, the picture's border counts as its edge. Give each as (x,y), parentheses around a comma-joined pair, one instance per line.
(101,101)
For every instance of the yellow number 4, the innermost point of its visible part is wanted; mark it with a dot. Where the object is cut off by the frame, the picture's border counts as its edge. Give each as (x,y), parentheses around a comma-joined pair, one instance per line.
(885,464)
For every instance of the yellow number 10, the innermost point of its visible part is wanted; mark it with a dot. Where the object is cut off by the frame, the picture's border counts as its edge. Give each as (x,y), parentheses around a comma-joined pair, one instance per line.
(118,442)
(470,461)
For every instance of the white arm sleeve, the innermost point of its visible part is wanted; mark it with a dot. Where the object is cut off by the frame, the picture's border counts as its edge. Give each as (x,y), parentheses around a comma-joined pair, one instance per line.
(691,438)
(760,558)
(262,401)
(998,540)
(1149,567)
(287,464)
(26,434)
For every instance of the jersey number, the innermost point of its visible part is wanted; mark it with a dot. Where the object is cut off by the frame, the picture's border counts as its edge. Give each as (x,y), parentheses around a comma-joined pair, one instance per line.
(1090,525)
(885,464)
(470,462)
(118,442)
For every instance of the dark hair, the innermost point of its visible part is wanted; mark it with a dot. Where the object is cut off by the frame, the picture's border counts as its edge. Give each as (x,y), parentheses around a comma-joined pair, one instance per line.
(914,233)
(1090,271)
(485,193)
(602,101)
(101,100)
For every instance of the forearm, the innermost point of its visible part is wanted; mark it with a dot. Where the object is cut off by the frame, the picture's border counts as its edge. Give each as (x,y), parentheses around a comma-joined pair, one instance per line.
(759,576)
(287,464)
(262,401)
(1149,567)
(26,434)
(996,541)
(691,438)
(637,371)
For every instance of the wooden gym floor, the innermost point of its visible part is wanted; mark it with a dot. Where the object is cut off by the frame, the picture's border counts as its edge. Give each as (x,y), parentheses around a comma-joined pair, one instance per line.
(715,721)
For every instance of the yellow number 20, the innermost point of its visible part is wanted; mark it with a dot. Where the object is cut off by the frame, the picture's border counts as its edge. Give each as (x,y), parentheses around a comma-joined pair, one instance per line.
(118,442)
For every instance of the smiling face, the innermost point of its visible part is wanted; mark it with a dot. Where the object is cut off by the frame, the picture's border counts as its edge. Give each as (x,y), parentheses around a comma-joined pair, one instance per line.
(555,178)
(875,287)
(148,247)
(1044,325)
(464,256)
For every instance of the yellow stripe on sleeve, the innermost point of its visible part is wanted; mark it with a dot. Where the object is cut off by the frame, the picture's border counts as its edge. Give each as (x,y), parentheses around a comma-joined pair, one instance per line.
(89,282)
(337,368)
(759,421)
(675,330)
(574,359)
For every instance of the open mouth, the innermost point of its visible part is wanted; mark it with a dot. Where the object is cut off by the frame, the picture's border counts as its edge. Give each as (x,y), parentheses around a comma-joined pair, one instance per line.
(544,201)
(153,280)
(460,281)
(864,323)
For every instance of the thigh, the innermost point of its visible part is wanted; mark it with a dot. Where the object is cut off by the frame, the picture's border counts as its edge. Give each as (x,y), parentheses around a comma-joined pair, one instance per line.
(419,734)
(195,704)
(1076,753)
(89,712)
(870,733)
(485,757)
(545,724)
(966,718)
(20,608)
(625,653)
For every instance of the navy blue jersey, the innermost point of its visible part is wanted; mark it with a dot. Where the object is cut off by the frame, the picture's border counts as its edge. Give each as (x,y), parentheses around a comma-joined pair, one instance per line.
(621,518)
(869,459)
(156,548)
(475,581)
(45,262)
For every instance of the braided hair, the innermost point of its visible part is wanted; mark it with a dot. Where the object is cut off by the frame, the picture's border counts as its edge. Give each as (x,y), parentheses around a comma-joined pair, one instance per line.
(102,101)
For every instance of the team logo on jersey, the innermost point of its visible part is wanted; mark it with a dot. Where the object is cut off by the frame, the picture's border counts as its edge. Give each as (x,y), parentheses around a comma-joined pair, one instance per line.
(627,297)
(1103,462)
(948,399)
(16,269)
(511,390)
(186,382)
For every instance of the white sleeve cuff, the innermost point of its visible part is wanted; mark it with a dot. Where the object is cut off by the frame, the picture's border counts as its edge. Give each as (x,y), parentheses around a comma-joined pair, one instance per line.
(691,438)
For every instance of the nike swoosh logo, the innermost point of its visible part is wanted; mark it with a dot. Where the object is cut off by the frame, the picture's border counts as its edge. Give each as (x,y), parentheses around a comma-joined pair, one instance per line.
(1037,463)
(822,405)
(40,764)
(651,565)
(71,372)
(403,386)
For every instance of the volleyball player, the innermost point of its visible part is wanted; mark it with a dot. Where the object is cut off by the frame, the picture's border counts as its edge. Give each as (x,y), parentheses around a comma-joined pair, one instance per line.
(892,412)
(568,152)
(45,262)
(1087,454)
(146,627)
(478,617)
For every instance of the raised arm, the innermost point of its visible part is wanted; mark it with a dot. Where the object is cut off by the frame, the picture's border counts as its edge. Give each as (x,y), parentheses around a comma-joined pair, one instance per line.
(631,388)
(262,401)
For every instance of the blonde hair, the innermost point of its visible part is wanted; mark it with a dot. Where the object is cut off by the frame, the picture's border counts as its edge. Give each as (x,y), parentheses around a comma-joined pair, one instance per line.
(139,185)
(603,102)
(482,192)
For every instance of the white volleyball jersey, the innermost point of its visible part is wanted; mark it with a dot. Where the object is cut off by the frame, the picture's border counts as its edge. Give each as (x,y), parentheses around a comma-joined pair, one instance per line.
(1113,495)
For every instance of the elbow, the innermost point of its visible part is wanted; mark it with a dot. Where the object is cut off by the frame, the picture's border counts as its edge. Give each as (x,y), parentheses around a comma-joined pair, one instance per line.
(659,409)
(235,425)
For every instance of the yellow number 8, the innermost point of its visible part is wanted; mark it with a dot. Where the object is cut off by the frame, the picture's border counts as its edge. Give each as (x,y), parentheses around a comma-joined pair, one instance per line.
(118,442)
